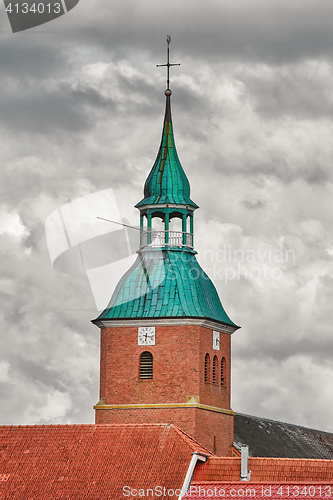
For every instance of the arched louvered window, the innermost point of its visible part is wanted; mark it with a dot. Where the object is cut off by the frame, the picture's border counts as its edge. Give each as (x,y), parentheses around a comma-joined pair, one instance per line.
(146,365)
(223,371)
(215,370)
(207,368)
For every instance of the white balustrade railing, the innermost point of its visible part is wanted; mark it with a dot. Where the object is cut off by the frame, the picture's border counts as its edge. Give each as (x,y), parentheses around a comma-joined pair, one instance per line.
(166,238)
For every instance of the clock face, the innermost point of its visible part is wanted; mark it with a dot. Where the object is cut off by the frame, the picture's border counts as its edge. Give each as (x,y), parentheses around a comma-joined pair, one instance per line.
(146,335)
(216,341)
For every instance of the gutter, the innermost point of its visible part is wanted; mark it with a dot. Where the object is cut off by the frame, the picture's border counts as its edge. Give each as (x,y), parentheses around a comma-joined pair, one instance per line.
(189,475)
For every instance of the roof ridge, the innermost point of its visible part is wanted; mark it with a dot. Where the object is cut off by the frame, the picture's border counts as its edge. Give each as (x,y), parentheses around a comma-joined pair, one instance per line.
(293,459)
(45,426)
(283,423)
(277,459)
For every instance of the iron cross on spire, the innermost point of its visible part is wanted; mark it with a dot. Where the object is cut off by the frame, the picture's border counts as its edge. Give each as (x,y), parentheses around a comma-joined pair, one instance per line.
(168,64)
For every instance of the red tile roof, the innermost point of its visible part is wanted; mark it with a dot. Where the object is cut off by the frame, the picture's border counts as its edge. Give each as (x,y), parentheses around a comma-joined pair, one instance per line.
(259,491)
(92,461)
(265,469)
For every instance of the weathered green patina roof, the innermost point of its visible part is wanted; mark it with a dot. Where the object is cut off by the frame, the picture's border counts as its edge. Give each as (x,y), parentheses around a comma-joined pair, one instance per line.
(167,182)
(165,283)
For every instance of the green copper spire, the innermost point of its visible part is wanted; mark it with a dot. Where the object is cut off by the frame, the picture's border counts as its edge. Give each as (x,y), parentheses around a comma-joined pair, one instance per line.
(166,281)
(167,182)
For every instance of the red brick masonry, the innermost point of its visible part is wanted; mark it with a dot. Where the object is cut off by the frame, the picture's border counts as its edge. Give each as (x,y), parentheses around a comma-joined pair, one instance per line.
(178,375)
(179,366)
(202,425)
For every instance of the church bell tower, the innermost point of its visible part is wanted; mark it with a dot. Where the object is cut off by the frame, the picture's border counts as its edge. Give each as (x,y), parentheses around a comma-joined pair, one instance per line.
(165,337)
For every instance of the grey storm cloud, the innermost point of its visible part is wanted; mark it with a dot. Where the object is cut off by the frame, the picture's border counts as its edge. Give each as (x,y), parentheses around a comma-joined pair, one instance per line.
(302,93)
(41,112)
(39,59)
(256,30)
(254,204)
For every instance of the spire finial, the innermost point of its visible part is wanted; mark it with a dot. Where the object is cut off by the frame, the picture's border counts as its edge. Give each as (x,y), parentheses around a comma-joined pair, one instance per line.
(168,64)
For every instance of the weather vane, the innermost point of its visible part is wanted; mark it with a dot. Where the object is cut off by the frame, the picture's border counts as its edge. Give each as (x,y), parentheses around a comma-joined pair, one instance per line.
(168,64)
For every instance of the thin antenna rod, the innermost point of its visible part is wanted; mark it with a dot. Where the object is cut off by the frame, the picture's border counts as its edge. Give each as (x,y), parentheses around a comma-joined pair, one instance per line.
(168,64)
(121,224)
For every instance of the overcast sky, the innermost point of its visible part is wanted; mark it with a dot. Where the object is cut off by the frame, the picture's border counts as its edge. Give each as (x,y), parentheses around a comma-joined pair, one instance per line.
(81,110)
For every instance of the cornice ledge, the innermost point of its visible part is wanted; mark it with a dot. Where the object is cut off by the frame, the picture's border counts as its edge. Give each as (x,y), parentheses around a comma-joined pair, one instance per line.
(167,205)
(206,323)
(163,405)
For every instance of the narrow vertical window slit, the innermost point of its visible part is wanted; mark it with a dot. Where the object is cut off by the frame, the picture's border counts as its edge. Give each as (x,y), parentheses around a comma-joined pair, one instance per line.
(146,365)
(215,370)
(207,367)
(223,371)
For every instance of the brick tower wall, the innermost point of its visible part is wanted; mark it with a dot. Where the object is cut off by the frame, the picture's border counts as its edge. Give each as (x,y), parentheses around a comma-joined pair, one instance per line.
(178,377)
(179,367)
(211,429)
